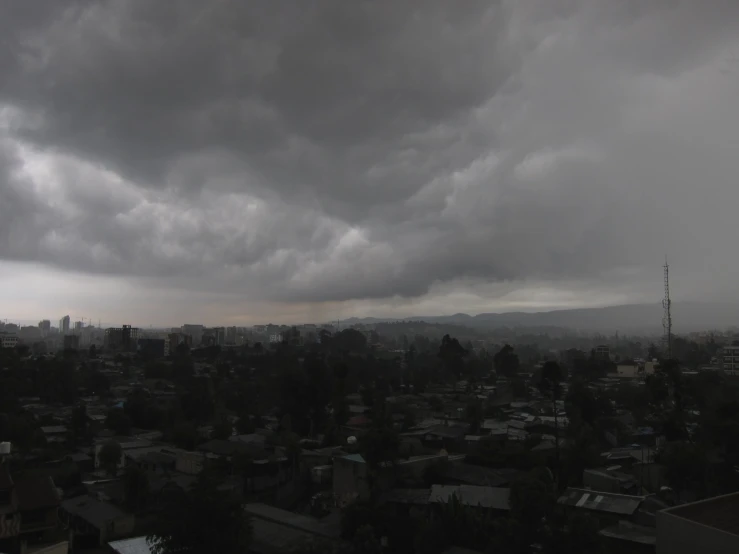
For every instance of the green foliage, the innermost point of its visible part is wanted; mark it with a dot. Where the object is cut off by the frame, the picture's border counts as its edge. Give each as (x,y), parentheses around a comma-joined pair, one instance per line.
(185,435)
(506,361)
(110,456)
(143,412)
(519,388)
(685,466)
(135,488)
(223,429)
(200,521)
(118,422)
(452,355)
(474,414)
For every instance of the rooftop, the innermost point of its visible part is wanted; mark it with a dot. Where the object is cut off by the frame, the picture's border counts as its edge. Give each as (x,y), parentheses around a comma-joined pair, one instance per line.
(94,512)
(632,533)
(136,545)
(720,512)
(478,475)
(273,538)
(298,522)
(471,495)
(53,429)
(621,504)
(407,496)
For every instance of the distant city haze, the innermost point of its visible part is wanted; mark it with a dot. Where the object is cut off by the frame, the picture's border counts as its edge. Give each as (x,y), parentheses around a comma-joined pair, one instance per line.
(688,317)
(237,163)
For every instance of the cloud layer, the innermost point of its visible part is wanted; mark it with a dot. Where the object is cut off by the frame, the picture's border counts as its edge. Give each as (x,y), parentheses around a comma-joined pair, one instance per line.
(328,152)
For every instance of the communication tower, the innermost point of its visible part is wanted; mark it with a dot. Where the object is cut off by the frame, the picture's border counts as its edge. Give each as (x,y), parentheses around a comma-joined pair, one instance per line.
(667,317)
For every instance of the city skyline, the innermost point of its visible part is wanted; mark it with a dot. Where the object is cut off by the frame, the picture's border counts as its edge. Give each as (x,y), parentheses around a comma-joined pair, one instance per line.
(414,158)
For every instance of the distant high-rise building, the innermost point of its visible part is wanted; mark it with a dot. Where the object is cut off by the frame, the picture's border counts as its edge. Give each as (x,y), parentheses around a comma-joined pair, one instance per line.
(71,342)
(78,326)
(219,333)
(122,338)
(195,331)
(152,348)
(45,326)
(603,352)
(231,335)
(64,325)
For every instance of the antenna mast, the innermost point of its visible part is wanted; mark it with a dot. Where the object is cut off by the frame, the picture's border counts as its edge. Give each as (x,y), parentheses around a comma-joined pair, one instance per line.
(667,317)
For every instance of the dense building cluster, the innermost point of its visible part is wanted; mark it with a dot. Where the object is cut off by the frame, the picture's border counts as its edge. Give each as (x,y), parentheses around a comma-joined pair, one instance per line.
(384,438)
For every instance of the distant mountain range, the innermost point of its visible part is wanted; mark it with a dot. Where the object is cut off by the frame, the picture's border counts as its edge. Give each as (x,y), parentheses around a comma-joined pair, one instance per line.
(632,318)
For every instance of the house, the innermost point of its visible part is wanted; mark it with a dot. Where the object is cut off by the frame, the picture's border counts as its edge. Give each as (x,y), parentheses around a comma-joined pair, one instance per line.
(127,445)
(710,525)
(38,504)
(446,436)
(351,474)
(275,531)
(82,460)
(157,462)
(54,433)
(609,480)
(629,538)
(135,545)
(93,523)
(350,479)
(28,510)
(493,498)
(10,524)
(406,501)
(469,474)
(608,508)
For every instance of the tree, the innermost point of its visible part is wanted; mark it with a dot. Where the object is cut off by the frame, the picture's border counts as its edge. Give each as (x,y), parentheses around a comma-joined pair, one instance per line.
(474,415)
(201,520)
(506,361)
(135,488)
(551,379)
(80,422)
(110,456)
(685,466)
(223,429)
(519,388)
(350,340)
(452,354)
(118,422)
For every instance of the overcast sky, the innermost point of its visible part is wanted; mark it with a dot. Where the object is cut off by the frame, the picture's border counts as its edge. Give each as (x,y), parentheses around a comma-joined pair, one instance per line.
(243,162)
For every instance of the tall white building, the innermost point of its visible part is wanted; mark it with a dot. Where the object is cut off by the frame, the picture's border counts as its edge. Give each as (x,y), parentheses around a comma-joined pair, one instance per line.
(64,325)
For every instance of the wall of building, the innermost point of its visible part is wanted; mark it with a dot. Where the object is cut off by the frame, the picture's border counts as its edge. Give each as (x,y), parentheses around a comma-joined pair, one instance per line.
(58,548)
(350,479)
(119,528)
(627,371)
(676,535)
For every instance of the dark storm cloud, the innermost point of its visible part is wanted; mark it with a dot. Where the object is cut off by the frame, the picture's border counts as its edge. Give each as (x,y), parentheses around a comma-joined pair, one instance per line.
(338,150)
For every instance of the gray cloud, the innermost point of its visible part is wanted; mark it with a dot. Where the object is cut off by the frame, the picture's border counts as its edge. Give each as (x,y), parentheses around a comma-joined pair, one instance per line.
(332,151)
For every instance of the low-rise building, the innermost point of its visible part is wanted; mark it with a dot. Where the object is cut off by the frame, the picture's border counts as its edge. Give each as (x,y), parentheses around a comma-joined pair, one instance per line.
(93,523)
(8,340)
(710,525)
(729,360)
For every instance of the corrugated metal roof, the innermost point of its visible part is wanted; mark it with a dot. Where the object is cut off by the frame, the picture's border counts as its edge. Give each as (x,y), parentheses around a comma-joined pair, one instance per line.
(136,545)
(600,501)
(357,458)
